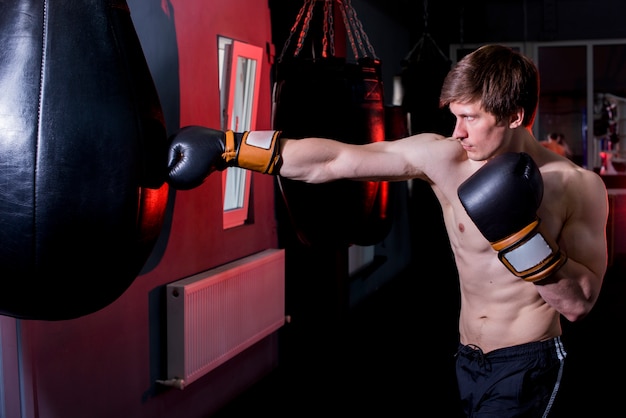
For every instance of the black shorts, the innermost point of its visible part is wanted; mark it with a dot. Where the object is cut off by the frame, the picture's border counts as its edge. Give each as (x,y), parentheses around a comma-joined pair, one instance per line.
(518,381)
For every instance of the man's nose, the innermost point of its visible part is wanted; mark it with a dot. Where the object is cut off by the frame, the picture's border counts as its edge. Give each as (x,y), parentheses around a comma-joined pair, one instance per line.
(459,130)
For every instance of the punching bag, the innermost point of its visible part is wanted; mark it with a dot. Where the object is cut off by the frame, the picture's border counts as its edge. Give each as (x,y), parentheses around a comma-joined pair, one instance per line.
(83,150)
(328,97)
(423,72)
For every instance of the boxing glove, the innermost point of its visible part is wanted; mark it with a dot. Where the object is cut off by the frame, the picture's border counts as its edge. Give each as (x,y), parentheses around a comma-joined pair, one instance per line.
(196,151)
(502,199)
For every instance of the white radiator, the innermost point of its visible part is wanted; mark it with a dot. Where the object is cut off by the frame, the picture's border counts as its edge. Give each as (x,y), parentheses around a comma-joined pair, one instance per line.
(214,315)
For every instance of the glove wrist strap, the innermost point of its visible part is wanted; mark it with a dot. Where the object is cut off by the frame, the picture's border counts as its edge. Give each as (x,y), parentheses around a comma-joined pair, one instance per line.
(530,254)
(257,151)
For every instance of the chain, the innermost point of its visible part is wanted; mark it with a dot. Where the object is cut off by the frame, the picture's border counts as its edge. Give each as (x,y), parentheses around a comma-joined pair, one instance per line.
(354,29)
(305,28)
(415,54)
(328,10)
(346,21)
(331,29)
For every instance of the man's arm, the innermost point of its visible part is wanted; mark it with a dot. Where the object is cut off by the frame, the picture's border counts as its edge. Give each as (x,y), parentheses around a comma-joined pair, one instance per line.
(318,160)
(195,152)
(315,160)
(574,288)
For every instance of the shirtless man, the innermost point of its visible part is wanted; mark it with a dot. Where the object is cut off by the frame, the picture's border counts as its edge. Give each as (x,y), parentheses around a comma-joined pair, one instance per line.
(511,355)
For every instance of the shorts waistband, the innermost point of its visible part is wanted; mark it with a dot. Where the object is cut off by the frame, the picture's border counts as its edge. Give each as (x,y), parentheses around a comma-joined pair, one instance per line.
(553,346)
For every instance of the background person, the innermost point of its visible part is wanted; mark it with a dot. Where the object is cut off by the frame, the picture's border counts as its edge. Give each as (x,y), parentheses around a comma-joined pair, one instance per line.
(555,142)
(561,140)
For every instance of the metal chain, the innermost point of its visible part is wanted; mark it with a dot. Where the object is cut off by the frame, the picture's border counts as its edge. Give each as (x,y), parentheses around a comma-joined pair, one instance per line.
(331,32)
(415,54)
(328,10)
(362,33)
(354,29)
(346,21)
(305,28)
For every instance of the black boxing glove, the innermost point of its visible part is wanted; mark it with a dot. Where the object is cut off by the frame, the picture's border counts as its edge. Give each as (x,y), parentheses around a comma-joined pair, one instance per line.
(502,199)
(196,151)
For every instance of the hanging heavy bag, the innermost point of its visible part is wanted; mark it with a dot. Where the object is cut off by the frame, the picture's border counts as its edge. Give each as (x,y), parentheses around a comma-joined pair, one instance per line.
(423,72)
(83,149)
(332,98)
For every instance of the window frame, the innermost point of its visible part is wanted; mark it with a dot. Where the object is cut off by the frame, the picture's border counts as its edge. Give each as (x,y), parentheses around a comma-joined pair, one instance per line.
(240,78)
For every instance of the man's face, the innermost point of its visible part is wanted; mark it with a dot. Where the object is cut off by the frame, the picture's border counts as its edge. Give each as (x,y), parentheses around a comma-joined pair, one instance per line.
(477,130)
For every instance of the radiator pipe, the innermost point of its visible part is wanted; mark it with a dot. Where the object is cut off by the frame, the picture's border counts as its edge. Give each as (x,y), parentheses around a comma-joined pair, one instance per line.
(175,383)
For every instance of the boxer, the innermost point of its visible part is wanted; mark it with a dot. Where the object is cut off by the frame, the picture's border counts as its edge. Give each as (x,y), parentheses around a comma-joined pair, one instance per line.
(526,226)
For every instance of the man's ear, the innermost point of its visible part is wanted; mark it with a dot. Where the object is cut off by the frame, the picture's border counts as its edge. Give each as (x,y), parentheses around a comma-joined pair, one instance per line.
(516,119)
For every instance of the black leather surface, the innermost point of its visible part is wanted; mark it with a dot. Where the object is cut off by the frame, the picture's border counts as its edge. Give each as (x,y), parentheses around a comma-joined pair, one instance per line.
(82,157)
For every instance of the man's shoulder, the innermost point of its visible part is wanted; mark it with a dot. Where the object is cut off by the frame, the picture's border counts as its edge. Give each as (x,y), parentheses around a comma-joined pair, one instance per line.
(578,180)
(428,141)
(429,136)
(591,177)
(437,157)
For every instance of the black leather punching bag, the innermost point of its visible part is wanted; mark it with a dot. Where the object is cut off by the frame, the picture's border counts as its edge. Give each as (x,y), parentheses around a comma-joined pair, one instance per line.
(321,94)
(332,98)
(83,148)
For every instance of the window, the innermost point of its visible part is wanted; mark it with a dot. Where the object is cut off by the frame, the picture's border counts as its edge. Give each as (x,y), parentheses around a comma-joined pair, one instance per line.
(581,81)
(240,75)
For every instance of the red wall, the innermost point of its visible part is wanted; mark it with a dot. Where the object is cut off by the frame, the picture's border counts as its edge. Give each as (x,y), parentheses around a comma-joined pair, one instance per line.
(199,242)
(105,364)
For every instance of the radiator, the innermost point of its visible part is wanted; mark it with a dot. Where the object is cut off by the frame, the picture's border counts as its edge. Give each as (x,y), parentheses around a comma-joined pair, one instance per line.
(214,315)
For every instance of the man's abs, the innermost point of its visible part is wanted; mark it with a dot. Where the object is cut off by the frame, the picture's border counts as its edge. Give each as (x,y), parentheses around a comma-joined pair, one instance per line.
(491,323)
